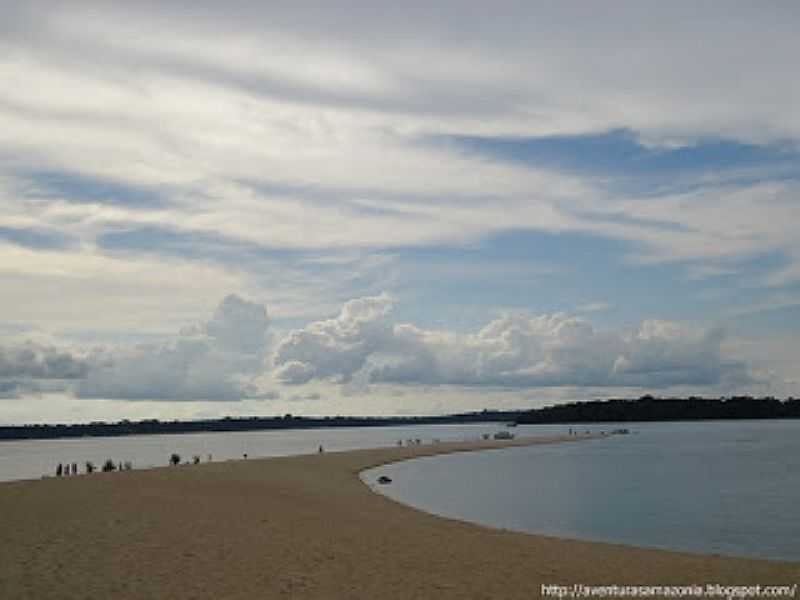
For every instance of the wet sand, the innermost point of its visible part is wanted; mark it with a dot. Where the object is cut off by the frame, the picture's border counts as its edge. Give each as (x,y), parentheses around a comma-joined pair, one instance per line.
(299,527)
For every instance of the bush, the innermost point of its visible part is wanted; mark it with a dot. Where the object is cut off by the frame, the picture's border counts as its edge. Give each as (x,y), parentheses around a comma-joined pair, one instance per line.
(89,466)
(175,459)
(109,466)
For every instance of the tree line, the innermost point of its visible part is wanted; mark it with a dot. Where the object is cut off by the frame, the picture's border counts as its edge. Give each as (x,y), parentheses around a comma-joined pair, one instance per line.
(288,421)
(649,408)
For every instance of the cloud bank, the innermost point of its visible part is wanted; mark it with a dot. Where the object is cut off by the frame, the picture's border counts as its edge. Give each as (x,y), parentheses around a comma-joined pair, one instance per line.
(232,356)
(212,361)
(511,351)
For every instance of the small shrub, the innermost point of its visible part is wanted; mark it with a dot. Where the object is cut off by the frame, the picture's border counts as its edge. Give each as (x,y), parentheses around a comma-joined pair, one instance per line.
(175,459)
(196,459)
(109,466)
(90,466)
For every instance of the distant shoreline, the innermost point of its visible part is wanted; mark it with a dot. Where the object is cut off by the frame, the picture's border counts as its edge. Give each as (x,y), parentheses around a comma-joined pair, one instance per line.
(230,424)
(646,409)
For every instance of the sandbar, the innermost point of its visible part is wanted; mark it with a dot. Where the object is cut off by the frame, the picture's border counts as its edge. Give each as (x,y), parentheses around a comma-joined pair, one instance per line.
(301,527)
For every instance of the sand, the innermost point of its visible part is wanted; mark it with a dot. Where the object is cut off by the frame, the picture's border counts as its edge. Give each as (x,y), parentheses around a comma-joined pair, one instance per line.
(298,527)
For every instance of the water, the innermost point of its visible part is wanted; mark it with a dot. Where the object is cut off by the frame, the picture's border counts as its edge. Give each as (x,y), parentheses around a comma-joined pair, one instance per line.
(729,488)
(32,459)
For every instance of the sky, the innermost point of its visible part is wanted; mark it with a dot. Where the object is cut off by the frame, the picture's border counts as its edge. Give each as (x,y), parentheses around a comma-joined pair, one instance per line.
(253,208)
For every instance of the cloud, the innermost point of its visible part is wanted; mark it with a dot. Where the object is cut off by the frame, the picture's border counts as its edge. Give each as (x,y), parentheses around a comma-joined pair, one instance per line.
(316,122)
(216,360)
(421,66)
(33,367)
(512,351)
(34,361)
(239,326)
(594,307)
(335,348)
(311,396)
(232,357)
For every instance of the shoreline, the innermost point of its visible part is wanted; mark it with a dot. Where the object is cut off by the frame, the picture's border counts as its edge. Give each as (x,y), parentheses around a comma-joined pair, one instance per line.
(375,488)
(303,527)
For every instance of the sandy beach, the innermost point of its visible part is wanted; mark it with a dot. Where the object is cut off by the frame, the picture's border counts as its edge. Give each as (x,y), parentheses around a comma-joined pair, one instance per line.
(299,527)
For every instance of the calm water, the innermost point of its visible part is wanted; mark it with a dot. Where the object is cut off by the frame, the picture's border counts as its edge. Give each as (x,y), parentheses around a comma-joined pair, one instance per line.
(713,487)
(33,459)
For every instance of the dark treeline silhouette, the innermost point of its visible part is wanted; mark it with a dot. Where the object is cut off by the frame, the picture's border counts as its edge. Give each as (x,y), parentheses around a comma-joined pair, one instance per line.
(154,426)
(648,408)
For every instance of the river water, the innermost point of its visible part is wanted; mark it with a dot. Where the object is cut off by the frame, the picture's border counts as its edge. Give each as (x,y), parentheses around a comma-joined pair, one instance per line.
(730,488)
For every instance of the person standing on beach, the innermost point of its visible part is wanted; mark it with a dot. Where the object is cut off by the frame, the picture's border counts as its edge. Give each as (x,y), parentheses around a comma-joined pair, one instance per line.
(59,470)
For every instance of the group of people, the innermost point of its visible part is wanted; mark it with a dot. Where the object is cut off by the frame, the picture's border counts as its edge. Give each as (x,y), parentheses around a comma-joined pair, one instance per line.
(66,469)
(576,432)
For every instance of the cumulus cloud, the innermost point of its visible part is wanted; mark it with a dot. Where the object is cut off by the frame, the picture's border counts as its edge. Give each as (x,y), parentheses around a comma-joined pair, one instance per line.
(237,326)
(34,361)
(230,357)
(213,361)
(515,351)
(32,367)
(335,348)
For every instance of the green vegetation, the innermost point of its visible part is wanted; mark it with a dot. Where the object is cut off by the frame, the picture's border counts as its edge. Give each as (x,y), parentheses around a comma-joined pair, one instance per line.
(648,408)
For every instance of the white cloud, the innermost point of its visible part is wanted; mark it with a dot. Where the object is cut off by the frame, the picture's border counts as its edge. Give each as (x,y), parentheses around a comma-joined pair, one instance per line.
(594,307)
(214,361)
(239,326)
(306,129)
(362,350)
(213,112)
(514,350)
(335,348)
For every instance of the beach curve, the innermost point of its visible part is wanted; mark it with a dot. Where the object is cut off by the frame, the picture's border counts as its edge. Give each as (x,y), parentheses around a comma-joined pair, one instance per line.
(301,527)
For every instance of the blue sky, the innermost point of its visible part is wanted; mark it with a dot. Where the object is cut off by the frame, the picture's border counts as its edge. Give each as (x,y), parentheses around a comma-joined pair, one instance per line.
(429,212)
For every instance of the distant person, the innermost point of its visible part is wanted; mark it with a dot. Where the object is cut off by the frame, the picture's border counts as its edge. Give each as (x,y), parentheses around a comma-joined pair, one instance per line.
(209,458)
(59,470)
(245,455)
(321,449)
(74,468)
